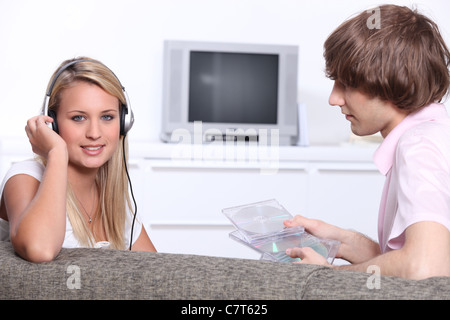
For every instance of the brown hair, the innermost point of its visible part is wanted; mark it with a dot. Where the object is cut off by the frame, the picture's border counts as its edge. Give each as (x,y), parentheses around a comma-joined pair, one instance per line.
(404,60)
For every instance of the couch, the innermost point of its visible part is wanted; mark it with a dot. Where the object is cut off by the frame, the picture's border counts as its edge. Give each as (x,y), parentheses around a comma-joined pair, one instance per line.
(114,274)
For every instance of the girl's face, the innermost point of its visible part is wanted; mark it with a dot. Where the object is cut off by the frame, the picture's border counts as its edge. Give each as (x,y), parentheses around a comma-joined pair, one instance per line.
(88,121)
(367,115)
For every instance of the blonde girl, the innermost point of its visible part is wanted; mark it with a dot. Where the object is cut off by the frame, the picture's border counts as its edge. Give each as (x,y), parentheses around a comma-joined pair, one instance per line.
(75,193)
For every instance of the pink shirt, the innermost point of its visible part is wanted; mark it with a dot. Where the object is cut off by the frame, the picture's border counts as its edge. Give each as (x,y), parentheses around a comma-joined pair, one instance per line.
(415,158)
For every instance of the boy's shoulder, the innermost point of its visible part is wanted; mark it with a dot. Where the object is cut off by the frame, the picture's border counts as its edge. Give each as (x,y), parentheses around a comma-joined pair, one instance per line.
(433,134)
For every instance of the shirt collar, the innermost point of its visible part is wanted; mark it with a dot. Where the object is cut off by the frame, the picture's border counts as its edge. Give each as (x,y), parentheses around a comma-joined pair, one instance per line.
(385,154)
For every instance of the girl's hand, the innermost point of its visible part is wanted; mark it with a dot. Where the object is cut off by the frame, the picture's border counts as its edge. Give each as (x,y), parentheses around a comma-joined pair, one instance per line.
(42,138)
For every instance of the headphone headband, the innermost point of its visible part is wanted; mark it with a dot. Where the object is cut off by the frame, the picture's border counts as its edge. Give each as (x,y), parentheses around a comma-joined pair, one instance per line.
(126,114)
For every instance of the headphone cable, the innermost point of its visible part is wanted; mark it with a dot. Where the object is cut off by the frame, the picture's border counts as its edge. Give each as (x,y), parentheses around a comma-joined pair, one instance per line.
(131,189)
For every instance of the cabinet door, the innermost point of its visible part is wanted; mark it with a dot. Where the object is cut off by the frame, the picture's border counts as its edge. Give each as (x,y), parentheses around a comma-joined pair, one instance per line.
(347,196)
(183,203)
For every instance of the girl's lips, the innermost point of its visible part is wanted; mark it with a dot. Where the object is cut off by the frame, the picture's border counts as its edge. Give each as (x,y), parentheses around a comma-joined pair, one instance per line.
(92,150)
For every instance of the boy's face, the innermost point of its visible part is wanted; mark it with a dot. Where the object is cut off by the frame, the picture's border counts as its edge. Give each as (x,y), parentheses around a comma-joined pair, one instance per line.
(367,115)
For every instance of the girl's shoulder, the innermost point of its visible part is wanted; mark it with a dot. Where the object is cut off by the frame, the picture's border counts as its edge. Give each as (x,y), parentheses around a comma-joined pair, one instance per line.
(31,167)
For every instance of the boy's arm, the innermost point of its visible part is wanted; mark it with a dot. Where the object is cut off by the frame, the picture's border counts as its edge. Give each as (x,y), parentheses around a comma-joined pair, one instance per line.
(355,247)
(426,253)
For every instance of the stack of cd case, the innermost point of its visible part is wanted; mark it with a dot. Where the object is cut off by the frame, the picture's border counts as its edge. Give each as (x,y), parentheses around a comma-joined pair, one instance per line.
(260,227)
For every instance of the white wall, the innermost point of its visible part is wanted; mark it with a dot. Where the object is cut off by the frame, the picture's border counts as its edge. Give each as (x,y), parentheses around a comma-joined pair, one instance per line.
(36,35)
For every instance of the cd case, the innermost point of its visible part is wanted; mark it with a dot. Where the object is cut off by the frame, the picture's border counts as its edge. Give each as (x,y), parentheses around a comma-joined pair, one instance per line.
(260,226)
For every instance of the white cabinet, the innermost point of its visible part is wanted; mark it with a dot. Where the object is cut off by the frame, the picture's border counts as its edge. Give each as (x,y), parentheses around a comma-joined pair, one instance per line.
(181,201)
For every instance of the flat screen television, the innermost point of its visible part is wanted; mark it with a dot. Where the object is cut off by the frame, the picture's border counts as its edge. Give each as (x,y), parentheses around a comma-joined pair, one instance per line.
(229,91)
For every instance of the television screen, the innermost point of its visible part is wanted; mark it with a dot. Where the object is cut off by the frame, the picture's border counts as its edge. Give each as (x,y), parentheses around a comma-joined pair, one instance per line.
(226,87)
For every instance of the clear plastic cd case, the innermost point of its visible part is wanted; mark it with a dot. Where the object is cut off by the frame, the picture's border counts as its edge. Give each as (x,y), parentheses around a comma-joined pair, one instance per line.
(260,226)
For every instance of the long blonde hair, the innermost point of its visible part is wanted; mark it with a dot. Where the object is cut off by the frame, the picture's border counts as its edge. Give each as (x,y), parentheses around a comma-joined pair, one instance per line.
(111,180)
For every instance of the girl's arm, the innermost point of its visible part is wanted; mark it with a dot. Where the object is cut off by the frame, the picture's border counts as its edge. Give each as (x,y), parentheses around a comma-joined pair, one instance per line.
(143,242)
(37,210)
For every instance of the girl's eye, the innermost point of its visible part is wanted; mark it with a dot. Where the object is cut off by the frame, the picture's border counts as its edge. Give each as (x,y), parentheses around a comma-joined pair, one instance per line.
(107,117)
(78,118)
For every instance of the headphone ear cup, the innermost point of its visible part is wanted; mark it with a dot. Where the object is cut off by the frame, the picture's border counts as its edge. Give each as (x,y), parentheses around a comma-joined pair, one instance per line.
(122,119)
(52,114)
(126,119)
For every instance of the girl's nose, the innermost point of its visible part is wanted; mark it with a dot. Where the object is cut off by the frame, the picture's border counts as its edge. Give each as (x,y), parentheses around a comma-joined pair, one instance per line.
(93,131)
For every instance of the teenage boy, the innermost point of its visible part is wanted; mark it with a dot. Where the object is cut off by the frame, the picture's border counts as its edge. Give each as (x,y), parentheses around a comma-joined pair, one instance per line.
(389,77)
